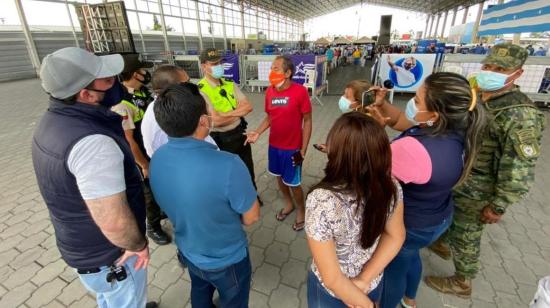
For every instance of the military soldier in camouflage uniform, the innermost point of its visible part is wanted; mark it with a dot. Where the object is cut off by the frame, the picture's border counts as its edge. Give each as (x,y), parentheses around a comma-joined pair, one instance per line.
(503,172)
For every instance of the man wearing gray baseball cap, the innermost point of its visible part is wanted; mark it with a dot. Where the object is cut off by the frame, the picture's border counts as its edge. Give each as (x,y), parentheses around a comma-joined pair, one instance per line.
(88,177)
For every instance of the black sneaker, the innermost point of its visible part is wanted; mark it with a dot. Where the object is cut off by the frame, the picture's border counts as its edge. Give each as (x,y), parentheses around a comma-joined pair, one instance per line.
(151,305)
(158,235)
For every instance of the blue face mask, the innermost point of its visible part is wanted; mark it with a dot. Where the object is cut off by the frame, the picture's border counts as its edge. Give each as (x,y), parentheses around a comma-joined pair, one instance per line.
(217,71)
(491,81)
(411,111)
(344,104)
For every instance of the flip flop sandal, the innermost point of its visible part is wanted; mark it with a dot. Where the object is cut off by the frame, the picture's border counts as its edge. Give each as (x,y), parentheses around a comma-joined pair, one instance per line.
(298,226)
(405,305)
(281,215)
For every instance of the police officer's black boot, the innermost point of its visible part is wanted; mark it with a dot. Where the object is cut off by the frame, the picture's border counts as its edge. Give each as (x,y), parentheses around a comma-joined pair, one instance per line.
(151,305)
(155,233)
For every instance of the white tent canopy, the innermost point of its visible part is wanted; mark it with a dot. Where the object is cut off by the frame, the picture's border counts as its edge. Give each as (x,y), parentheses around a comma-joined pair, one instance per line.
(341,41)
(364,40)
(322,41)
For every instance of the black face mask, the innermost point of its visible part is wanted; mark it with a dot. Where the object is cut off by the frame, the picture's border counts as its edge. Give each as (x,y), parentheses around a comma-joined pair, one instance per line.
(146,78)
(113,95)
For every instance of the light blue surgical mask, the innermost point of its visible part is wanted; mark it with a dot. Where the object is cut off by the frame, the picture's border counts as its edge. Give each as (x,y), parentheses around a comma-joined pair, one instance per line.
(344,104)
(411,111)
(217,71)
(491,81)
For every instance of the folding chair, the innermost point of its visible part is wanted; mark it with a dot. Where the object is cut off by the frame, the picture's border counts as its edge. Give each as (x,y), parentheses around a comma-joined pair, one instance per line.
(310,83)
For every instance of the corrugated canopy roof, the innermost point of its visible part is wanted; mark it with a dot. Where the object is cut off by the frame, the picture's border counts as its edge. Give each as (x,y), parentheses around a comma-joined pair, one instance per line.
(305,9)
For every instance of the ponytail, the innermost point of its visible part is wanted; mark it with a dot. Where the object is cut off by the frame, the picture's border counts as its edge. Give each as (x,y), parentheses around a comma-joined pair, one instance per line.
(476,124)
(459,110)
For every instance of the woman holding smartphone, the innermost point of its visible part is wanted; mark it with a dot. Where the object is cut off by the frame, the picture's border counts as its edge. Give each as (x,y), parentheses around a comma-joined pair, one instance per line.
(440,126)
(352,98)
(354,216)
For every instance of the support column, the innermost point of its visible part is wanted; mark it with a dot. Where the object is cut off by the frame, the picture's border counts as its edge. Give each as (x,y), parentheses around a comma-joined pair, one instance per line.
(140,31)
(465,17)
(444,24)
(163,23)
(431,26)
(31,47)
(242,21)
(286,28)
(454,17)
(425,34)
(475,38)
(182,28)
(257,20)
(72,25)
(198,16)
(437,25)
(268,36)
(279,28)
(222,3)
(516,39)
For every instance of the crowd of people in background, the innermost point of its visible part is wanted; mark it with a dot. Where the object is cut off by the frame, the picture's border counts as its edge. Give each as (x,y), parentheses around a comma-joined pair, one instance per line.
(114,157)
(402,48)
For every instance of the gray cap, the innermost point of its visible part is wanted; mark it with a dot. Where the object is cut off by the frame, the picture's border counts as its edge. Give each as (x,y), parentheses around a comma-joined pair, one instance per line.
(67,71)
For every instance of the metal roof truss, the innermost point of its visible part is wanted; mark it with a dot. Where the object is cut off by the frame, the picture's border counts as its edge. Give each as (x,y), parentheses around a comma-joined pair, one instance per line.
(306,9)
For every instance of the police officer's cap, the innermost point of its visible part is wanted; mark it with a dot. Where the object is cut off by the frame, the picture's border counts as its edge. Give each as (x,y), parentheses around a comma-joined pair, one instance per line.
(210,55)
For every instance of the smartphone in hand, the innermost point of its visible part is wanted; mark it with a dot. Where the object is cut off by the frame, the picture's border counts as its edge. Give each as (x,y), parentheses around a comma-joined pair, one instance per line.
(368,98)
(297,159)
(321,147)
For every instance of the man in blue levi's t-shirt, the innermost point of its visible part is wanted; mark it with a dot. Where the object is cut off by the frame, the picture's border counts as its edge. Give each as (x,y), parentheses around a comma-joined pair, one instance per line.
(208,195)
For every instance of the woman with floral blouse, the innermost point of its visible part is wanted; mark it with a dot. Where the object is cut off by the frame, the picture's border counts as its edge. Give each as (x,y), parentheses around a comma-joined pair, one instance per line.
(354,216)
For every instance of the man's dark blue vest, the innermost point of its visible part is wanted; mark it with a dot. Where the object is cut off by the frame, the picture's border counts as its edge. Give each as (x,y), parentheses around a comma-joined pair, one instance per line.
(79,239)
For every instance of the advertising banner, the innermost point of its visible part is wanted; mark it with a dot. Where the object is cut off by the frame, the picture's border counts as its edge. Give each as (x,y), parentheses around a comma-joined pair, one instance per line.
(426,46)
(302,63)
(320,67)
(406,71)
(231,67)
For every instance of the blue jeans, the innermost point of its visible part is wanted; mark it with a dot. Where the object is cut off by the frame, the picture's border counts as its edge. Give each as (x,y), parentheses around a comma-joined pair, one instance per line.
(129,293)
(402,276)
(318,297)
(232,283)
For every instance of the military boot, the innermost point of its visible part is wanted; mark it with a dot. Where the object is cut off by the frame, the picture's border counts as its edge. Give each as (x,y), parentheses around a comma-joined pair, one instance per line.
(455,285)
(441,249)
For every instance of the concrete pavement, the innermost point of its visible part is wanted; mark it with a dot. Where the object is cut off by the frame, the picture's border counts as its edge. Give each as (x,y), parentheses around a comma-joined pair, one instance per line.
(515,253)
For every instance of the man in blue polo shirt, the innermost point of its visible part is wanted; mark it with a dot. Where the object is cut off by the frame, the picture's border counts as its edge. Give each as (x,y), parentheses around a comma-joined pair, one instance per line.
(208,195)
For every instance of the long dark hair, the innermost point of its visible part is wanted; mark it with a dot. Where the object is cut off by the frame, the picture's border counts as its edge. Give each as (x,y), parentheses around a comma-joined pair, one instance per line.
(359,162)
(450,95)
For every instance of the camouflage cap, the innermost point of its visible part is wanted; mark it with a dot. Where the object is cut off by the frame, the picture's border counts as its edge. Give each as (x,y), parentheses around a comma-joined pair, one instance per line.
(506,55)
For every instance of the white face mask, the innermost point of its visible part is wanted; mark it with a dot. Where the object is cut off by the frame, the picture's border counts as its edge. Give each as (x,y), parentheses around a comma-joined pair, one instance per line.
(411,112)
(344,104)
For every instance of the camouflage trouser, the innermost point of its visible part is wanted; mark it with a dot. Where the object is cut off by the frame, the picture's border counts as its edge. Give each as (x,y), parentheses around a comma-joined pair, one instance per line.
(464,236)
